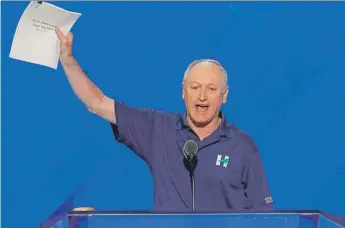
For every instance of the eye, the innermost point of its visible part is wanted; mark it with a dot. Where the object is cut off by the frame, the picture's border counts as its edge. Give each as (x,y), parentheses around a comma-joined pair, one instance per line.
(194,87)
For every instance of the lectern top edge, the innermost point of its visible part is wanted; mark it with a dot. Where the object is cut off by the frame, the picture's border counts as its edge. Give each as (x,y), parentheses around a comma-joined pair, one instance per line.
(143,213)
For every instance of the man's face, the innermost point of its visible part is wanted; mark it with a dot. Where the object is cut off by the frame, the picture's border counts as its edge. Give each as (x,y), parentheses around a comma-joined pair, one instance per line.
(204,92)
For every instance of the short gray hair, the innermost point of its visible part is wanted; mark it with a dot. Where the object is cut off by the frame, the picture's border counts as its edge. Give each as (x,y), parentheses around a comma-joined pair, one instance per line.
(207,61)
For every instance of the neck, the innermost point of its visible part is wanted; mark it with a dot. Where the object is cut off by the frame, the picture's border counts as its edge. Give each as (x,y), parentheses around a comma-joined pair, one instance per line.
(204,130)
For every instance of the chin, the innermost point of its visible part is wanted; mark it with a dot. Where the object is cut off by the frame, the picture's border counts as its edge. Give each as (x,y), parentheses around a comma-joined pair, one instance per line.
(199,122)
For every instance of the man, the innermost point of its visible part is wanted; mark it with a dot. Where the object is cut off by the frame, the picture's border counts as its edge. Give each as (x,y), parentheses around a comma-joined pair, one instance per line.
(229,174)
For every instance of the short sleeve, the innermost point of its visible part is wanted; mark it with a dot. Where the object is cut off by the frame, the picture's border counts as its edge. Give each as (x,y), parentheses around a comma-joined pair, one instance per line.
(256,187)
(134,129)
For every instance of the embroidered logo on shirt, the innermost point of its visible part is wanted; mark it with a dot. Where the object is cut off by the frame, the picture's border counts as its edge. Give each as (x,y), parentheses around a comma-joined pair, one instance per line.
(269,199)
(222,161)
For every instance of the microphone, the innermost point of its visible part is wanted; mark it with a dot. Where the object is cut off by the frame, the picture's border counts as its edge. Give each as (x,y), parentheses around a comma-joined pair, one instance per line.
(190,150)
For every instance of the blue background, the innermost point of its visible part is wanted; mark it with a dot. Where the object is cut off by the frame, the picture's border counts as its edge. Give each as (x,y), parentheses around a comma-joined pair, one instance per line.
(286,71)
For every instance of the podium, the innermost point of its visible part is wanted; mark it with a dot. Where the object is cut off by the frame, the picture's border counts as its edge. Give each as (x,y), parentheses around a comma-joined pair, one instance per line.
(273,219)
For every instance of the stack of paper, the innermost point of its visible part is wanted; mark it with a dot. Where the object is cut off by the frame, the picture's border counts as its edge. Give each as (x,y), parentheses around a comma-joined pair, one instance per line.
(35,39)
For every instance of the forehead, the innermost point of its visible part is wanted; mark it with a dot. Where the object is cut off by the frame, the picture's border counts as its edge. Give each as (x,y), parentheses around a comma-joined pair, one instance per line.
(206,72)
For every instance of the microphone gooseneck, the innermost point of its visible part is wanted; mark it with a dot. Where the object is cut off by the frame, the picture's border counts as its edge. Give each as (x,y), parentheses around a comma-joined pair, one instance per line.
(190,161)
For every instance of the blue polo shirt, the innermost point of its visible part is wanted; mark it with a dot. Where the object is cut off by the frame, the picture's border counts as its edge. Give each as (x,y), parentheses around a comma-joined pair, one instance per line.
(229,174)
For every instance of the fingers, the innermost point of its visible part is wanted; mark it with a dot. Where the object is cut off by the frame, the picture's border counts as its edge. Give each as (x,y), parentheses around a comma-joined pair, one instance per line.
(62,37)
(59,33)
(65,42)
(70,37)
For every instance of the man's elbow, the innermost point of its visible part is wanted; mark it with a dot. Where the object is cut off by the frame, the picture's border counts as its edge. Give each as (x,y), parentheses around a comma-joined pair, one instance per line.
(104,108)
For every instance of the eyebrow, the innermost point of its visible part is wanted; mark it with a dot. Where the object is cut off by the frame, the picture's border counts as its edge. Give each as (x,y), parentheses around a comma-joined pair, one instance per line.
(201,83)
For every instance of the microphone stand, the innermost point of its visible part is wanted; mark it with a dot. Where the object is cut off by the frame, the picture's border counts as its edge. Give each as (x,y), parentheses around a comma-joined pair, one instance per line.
(191,173)
(191,162)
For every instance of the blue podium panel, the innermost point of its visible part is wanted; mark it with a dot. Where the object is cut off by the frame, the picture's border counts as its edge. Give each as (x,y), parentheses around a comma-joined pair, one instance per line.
(328,223)
(196,220)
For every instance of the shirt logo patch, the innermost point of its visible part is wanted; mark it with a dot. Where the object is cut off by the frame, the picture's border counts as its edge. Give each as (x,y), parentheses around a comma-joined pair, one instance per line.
(222,161)
(268,200)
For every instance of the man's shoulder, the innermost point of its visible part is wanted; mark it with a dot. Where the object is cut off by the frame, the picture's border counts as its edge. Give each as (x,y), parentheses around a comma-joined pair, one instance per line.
(140,115)
(166,116)
(237,132)
(160,113)
(242,138)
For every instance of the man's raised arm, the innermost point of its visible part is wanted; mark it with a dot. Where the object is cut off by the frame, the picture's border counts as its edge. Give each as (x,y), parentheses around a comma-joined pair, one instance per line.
(92,97)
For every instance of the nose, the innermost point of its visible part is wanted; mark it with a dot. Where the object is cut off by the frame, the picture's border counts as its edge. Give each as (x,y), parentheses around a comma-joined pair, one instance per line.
(202,96)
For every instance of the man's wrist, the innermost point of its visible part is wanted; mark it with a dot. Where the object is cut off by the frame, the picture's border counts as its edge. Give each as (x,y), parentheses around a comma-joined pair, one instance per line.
(67,60)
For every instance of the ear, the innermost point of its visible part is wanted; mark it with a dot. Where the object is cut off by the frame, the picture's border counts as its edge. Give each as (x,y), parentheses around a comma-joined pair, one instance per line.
(183,93)
(225,94)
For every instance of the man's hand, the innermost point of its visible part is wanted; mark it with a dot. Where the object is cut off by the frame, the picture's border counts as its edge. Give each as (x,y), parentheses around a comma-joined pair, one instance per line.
(65,43)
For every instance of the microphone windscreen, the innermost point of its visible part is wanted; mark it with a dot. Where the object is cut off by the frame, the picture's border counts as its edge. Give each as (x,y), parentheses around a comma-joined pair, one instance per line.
(190,147)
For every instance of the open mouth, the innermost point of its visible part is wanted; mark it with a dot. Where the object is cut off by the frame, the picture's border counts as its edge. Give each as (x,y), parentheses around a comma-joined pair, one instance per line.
(201,107)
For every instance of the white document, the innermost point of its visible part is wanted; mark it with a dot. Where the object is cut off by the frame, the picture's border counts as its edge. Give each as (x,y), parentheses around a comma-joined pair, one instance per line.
(35,40)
